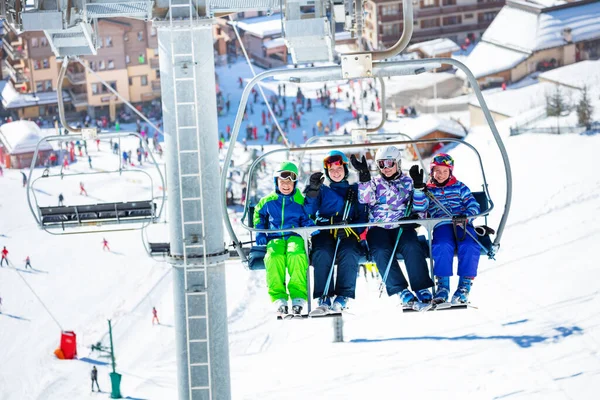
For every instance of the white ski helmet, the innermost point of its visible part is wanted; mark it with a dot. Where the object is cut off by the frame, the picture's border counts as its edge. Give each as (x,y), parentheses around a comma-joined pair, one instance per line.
(389,153)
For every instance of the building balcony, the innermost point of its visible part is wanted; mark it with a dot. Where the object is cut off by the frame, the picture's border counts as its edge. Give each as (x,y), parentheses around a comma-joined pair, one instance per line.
(390,18)
(154,63)
(78,99)
(14,50)
(76,78)
(16,75)
(453,9)
(156,87)
(434,33)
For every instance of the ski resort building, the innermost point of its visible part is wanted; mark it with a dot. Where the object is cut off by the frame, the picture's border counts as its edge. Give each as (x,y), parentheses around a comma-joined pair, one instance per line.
(18,141)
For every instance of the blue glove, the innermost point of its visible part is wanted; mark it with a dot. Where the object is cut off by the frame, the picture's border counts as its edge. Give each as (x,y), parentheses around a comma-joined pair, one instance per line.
(315,232)
(261,239)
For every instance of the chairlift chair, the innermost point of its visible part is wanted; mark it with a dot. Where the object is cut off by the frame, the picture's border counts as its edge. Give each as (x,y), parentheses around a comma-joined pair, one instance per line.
(102,217)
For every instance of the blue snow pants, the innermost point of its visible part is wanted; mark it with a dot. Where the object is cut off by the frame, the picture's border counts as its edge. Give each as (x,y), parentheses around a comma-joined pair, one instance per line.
(443,246)
(381,243)
(348,254)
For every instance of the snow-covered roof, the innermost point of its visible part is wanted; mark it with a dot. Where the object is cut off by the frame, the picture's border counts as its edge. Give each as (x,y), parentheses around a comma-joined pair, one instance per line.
(423,125)
(487,59)
(274,43)
(578,75)
(261,26)
(11,98)
(516,101)
(530,30)
(433,48)
(22,137)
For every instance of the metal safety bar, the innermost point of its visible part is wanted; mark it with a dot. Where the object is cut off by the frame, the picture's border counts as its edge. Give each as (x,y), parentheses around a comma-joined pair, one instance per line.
(380,69)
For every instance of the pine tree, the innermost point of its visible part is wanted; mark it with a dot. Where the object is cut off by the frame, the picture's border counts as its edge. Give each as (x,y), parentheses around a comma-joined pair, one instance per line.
(584,108)
(555,103)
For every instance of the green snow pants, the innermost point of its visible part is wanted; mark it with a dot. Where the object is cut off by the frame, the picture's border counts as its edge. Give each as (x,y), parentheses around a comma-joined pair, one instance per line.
(290,254)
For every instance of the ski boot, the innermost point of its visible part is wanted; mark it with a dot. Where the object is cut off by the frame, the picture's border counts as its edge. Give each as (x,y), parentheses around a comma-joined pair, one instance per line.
(282,307)
(297,305)
(323,308)
(443,289)
(297,310)
(461,296)
(340,303)
(424,296)
(407,298)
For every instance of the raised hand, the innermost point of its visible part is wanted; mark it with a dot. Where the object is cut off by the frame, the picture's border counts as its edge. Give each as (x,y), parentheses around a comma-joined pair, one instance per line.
(416,174)
(314,184)
(361,166)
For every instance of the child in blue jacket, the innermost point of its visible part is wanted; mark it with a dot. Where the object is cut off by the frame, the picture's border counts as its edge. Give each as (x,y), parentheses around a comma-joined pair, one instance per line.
(283,209)
(448,237)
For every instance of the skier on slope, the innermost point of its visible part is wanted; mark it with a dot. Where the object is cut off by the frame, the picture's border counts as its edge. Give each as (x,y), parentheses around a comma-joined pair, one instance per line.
(61,199)
(105,244)
(155,316)
(456,198)
(4,253)
(388,197)
(27,263)
(82,189)
(24,178)
(326,204)
(94,376)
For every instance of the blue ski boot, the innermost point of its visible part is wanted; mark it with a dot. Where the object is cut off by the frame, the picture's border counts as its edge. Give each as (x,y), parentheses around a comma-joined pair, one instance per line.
(461,296)
(424,296)
(407,298)
(340,303)
(442,291)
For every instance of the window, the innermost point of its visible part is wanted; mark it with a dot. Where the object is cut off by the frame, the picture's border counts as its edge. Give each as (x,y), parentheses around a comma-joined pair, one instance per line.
(112,85)
(101,65)
(130,81)
(44,42)
(93,66)
(45,63)
(140,36)
(153,31)
(109,42)
(142,59)
(126,38)
(39,86)
(448,2)
(430,23)
(127,59)
(35,42)
(48,85)
(429,3)
(391,29)
(36,64)
(468,16)
(144,80)
(389,9)
(487,17)
(452,20)
(157,74)
(111,64)
(94,88)
(156,52)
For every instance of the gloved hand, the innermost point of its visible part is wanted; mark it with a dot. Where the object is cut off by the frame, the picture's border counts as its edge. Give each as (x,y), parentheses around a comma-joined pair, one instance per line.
(361,166)
(416,174)
(314,185)
(261,239)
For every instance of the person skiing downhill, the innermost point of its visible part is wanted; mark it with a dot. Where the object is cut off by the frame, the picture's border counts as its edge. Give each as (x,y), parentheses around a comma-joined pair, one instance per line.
(61,199)
(390,198)
(155,316)
(28,263)
(4,256)
(94,377)
(329,204)
(283,209)
(105,244)
(454,197)
(24,178)
(82,189)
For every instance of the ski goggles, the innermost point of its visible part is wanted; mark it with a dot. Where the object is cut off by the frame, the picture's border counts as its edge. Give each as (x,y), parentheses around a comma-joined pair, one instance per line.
(333,161)
(442,160)
(286,176)
(386,163)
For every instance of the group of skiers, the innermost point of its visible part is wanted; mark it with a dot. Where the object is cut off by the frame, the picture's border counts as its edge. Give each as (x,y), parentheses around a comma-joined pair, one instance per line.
(388,197)
(4,259)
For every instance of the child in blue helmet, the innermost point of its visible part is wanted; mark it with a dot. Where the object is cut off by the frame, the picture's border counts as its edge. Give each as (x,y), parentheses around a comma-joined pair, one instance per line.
(326,204)
(448,237)
(283,209)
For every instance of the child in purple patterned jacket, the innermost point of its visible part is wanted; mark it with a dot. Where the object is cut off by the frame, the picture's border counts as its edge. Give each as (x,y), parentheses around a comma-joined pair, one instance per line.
(388,196)
(454,197)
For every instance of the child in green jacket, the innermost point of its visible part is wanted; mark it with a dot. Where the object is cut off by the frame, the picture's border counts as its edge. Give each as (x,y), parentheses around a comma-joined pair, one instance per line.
(284,208)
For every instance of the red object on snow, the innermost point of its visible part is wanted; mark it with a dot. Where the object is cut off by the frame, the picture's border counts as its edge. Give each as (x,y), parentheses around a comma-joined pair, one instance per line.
(68,344)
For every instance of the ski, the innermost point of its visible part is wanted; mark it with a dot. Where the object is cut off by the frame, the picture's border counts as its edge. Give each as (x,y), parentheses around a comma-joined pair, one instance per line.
(291,316)
(330,314)
(441,307)
(417,306)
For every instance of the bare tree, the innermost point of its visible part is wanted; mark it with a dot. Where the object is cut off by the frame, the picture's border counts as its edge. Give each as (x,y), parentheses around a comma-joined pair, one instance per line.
(584,108)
